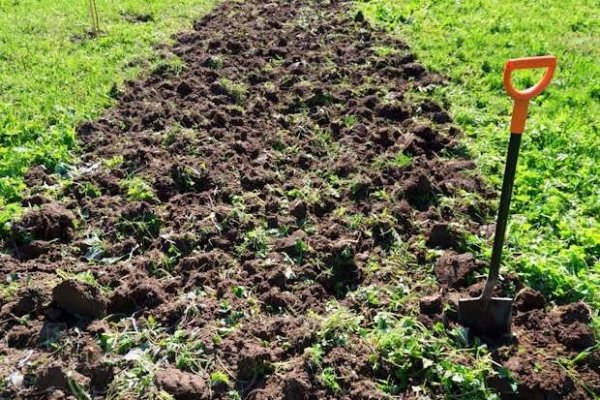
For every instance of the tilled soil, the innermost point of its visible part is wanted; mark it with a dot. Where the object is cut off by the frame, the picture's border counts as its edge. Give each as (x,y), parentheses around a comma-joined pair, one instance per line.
(285,166)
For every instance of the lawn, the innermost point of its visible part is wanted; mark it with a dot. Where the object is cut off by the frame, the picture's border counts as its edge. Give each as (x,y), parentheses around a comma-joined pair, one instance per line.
(53,74)
(554,234)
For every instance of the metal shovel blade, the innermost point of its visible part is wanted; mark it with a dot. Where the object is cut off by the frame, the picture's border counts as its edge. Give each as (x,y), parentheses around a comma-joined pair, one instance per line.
(492,318)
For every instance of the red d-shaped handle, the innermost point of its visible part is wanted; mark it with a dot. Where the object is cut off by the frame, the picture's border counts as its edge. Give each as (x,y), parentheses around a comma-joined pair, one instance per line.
(522,97)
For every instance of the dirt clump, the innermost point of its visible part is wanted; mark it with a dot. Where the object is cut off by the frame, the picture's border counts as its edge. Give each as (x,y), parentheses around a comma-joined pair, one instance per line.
(80,298)
(455,269)
(529,299)
(50,221)
(54,376)
(181,385)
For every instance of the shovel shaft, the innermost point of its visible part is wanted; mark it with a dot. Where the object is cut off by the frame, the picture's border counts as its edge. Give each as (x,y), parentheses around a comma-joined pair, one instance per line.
(503,211)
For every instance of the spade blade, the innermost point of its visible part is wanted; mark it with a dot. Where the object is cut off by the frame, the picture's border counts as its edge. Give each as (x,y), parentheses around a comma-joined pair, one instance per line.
(492,318)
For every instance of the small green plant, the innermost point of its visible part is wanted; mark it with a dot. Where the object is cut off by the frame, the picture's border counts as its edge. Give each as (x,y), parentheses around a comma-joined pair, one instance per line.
(176,132)
(350,120)
(96,246)
(402,160)
(90,190)
(184,350)
(239,292)
(237,91)
(9,288)
(314,355)
(384,51)
(219,378)
(323,137)
(170,64)
(412,350)
(257,241)
(76,388)
(234,395)
(146,347)
(214,62)
(138,189)
(85,276)
(190,178)
(368,294)
(144,226)
(114,161)
(329,379)
(337,325)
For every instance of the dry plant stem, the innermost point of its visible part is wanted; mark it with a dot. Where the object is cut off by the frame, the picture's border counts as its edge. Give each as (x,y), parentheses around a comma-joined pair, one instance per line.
(93,11)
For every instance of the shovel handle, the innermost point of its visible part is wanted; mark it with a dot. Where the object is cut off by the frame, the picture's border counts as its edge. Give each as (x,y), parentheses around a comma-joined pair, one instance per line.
(521,102)
(521,97)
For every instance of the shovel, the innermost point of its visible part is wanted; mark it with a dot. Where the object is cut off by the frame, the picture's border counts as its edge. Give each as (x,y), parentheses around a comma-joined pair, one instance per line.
(486,315)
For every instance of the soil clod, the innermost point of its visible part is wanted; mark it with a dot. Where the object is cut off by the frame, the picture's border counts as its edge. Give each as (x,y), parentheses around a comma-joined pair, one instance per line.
(80,299)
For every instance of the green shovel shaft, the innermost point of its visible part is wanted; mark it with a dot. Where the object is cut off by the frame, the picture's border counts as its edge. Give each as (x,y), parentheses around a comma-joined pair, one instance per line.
(507,187)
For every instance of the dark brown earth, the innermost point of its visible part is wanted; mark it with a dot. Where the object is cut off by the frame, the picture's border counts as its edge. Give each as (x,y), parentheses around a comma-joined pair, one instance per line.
(272,159)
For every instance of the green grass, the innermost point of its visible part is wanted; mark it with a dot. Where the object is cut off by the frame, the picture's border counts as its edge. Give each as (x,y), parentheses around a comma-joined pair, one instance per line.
(53,74)
(554,234)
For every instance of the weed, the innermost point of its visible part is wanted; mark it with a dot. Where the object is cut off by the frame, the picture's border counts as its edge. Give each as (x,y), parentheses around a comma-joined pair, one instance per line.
(568,365)
(176,132)
(315,355)
(170,64)
(183,350)
(144,349)
(90,190)
(136,381)
(77,388)
(219,378)
(234,395)
(114,161)
(400,160)
(85,277)
(367,294)
(96,247)
(237,91)
(138,189)
(9,288)
(239,292)
(144,226)
(337,324)
(329,380)
(214,62)
(239,215)
(322,137)
(350,120)
(384,51)
(412,350)
(382,195)
(257,241)
(310,195)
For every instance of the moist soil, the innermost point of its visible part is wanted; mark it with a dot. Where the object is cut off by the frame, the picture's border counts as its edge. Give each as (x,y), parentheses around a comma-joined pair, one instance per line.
(284,160)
